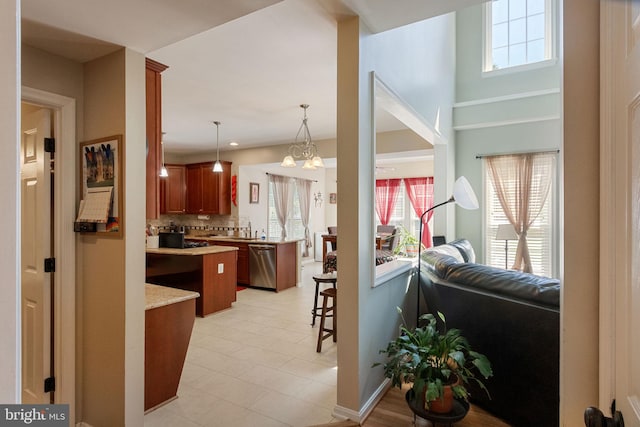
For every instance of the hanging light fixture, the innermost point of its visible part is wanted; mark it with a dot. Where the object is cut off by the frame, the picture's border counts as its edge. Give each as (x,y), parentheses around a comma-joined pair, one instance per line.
(163,170)
(303,148)
(217,167)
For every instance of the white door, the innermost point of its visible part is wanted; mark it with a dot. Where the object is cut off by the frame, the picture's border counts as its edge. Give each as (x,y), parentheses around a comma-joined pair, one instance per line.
(35,186)
(620,279)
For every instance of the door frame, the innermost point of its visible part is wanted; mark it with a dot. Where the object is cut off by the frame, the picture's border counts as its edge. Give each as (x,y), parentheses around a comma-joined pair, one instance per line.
(64,295)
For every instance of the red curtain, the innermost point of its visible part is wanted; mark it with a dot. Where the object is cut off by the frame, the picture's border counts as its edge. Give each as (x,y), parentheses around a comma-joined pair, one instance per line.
(386,196)
(420,192)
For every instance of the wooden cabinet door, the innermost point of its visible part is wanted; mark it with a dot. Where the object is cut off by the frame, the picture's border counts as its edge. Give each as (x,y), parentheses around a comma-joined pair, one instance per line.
(242,270)
(208,192)
(224,189)
(153,126)
(243,263)
(210,183)
(173,190)
(194,189)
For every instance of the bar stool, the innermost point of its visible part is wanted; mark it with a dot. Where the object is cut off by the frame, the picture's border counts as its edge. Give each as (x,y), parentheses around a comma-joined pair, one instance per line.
(321,278)
(326,294)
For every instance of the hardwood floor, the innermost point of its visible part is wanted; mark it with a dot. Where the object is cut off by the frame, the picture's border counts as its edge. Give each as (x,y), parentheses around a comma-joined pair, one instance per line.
(393,411)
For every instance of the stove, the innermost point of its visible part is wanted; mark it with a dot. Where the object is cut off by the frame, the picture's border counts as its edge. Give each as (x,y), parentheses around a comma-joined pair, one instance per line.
(194,244)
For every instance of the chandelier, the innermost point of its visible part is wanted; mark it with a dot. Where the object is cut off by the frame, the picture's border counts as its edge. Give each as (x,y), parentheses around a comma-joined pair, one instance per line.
(303,148)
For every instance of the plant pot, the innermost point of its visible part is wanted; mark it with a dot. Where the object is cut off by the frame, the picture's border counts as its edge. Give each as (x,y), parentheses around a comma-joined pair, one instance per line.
(443,404)
(411,249)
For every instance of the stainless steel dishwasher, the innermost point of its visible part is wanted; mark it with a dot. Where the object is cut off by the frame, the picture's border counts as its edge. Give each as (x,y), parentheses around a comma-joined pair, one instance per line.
(262,266)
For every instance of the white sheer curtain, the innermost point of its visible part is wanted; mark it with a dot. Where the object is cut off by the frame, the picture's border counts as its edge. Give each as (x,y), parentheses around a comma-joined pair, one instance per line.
(304,199)
(282,200)
(522,183)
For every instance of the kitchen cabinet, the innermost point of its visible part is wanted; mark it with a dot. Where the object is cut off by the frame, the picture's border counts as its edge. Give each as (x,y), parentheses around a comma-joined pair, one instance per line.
(153,79)
(209,271)
(285,262)
(173,190)
(243,259)
(169,318)
(208,192)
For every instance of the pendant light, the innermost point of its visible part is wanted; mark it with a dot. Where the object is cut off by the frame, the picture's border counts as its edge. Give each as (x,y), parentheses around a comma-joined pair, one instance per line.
(217,167)
(304,148)
(163,170)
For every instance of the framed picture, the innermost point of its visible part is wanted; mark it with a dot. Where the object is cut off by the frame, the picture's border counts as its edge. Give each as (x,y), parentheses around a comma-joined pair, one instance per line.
(333,198)
(101,174)
(254,192)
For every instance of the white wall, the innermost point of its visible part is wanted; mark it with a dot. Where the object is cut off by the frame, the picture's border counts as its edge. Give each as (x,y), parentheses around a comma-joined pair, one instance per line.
(9,218)
(417,63)
(496,114)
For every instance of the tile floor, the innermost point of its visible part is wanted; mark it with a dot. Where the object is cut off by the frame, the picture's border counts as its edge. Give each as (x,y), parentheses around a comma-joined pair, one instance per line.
(256,365)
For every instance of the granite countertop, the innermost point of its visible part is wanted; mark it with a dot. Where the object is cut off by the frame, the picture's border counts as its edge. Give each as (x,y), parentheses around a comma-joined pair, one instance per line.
(204,250)
(234,239)
(159,296)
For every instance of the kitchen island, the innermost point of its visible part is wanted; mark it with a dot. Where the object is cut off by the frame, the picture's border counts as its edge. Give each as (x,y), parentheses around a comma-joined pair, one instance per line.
(211,271)
(285,254)
(169,318)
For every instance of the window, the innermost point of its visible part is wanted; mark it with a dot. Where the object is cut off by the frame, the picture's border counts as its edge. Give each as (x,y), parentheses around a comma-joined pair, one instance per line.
(540,235)
(403,214)
(517,32)
(295,229)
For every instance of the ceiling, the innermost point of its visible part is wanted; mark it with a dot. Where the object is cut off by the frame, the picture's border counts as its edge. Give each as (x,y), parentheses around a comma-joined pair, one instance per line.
(246,63)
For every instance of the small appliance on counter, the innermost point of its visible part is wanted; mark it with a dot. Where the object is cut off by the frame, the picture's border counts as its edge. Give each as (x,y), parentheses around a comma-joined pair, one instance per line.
(172,240)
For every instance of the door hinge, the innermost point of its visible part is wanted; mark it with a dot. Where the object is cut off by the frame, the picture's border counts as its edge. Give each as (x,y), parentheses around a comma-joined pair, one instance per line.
(49,384)
(49,265)
(50,145)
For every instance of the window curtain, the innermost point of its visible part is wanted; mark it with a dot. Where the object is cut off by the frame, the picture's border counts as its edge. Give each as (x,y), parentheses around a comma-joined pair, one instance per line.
(420,192)
(522,184)
(282,197)
(386,196)
(304,199)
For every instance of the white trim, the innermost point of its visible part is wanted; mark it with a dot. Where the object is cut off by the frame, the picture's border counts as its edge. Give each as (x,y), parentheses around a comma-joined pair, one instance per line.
(520,68)
(512,97)
(498,123)
(64,214)
(343,413)
(606,368)
(387,99)
(390,270)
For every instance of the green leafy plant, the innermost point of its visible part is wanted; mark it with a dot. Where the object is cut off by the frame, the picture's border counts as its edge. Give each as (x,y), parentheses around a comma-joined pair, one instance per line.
(406,239)
(429,359)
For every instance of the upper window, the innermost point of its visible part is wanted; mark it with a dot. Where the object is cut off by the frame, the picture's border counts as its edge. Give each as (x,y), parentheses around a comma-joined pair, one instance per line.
(518,32)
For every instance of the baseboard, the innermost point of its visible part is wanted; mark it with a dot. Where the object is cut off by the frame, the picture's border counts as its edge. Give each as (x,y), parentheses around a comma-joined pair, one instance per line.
(349,414)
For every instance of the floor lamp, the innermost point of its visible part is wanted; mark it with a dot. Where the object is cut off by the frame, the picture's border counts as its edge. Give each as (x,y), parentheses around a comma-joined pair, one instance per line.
(506,232)
(463,196)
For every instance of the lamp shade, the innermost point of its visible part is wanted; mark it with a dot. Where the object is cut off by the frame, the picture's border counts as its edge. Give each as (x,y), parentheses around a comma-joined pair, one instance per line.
(506,232)
(288,162)
(463,194)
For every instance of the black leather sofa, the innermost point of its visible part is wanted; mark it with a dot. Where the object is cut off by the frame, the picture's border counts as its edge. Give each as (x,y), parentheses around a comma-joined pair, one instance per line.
(511,317)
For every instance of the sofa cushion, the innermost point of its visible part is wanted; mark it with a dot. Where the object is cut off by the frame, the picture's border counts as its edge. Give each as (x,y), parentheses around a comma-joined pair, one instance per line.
(523,286)
(438,262)
(465,249)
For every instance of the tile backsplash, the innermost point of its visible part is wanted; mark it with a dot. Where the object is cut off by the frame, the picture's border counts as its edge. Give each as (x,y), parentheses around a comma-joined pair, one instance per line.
(194,225)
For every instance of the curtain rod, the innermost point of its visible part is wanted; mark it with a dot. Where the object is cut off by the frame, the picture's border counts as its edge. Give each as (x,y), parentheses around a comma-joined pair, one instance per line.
(294,177)
(480,156)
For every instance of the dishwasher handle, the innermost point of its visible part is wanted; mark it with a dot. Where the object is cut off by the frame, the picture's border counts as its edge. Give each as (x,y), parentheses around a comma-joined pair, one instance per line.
(262,247)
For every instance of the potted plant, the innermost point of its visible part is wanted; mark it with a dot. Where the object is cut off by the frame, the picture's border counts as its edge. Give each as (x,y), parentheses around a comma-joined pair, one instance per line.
(408,243)
(438,365)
